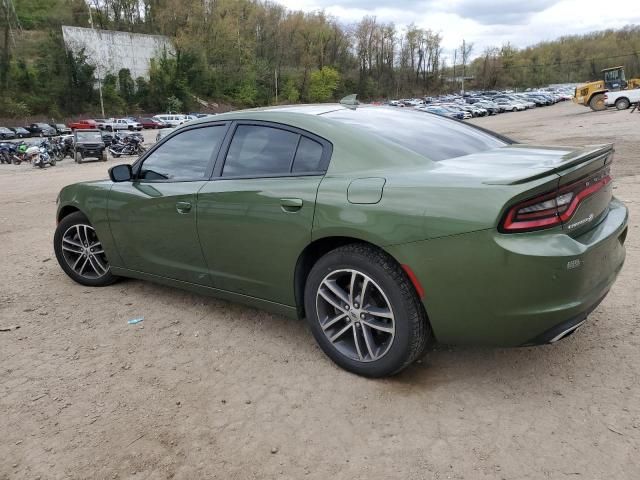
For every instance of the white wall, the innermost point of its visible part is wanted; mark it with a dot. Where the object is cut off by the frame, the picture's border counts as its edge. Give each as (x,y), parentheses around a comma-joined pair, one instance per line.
(111,51)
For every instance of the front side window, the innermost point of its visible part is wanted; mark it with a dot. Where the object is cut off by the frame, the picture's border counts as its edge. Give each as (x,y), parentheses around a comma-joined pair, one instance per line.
(187,156)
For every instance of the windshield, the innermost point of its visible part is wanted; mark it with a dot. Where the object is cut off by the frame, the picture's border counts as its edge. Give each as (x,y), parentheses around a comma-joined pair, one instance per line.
(434,137)
(89,136)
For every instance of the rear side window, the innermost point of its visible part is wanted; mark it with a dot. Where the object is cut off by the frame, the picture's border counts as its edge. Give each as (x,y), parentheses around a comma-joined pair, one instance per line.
(308,157)
(185,157)
(429,135)
(258,150)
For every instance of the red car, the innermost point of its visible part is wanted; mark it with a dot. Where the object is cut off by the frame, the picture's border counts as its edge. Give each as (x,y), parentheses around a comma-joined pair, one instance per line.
(87,124)
(147,122)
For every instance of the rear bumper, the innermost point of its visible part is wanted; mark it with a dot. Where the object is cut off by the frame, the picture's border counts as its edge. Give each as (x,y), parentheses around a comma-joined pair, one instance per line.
(565,328)
(515,289)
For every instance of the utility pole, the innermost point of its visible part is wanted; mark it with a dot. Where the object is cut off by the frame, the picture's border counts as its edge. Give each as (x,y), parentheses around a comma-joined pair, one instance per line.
(7,7)
(97,65)
(455,54)
(276,74)
(464,61)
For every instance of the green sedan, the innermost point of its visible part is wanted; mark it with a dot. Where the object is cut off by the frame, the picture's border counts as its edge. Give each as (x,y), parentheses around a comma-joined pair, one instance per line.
(384,228)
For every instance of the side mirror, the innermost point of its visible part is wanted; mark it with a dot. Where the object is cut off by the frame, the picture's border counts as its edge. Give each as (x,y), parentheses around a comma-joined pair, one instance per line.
(121,173)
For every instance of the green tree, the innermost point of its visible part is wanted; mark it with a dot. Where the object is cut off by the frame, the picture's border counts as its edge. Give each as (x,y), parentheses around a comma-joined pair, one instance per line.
(126,85)
(323,83)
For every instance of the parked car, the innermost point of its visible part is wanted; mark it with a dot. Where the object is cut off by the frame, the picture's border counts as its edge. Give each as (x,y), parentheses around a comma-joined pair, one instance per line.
(172,120)
(20,132)
(86,124)
(148,122)
(457,111)
(440,110)
(386,228)
(622,99)
(60,128)
(41,130)
(7,134)
(129,124)
(100,123)
(88,144)
(163,133)
(114,124)
(490,107)
(508,105)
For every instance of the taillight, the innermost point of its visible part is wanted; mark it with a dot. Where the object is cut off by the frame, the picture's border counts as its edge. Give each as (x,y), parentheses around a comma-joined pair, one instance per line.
(553,208)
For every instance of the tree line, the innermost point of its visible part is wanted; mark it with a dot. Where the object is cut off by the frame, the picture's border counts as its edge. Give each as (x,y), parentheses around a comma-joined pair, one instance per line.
(250,53)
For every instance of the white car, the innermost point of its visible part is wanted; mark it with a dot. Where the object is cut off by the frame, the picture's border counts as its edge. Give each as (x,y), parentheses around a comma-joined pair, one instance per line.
(622,99)
(172,119)
(127,124)
(114,124)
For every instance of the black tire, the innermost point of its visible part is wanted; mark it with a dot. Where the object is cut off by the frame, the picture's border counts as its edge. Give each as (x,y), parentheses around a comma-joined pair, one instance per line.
(52,162)
(597,103)
(78,157)
(411,325)
(103,157)
(622,103)
(71,220)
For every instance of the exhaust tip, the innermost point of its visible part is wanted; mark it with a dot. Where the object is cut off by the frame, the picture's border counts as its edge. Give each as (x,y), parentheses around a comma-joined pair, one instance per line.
(567,332)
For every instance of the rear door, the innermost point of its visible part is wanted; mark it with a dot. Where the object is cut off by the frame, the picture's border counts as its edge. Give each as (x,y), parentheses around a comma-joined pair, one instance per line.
(153,218)
(255,218)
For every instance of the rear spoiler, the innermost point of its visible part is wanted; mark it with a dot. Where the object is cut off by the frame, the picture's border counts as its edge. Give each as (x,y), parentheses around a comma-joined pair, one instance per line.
(575,157)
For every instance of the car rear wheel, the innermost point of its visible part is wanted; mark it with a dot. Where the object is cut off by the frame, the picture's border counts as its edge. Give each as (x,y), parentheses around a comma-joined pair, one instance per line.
(622,104)
(363,311)
(80,253)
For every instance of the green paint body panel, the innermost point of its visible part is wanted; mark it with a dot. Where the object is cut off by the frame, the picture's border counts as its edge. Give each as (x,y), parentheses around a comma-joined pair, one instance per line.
(241,239)
(252,242)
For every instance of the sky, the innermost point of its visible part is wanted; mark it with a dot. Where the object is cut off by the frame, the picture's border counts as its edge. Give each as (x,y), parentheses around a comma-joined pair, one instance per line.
(485,22)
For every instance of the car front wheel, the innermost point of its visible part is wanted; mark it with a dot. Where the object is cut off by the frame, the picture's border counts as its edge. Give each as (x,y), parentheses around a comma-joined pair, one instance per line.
(80,253)
(364,312)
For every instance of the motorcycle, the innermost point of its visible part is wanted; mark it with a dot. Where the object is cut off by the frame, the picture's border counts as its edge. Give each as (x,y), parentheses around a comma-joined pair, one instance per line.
(129,145)
(12,153)
(39,155)
(55,149)
(7,152)
(66,146)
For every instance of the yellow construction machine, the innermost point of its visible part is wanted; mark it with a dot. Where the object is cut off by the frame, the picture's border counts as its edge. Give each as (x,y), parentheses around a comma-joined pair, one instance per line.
(591,94)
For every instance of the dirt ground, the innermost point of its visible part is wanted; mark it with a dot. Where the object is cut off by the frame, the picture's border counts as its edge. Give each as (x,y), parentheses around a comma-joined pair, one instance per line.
(206,389)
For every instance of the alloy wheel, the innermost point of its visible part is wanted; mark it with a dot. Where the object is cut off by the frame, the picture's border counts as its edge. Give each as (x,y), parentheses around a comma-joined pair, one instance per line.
(83,251)
(355,315)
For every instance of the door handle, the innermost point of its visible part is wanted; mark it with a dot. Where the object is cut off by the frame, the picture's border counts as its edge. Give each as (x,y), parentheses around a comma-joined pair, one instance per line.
(291,204)
(183,207)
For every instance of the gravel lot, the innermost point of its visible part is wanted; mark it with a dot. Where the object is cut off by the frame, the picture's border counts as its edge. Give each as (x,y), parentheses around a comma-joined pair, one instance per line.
(206,389)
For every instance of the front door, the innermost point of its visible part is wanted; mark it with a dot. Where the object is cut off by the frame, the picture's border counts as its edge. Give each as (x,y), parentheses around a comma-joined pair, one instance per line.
(153,218)
(255,218)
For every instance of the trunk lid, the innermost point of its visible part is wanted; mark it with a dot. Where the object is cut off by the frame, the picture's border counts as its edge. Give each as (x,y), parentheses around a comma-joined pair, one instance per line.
(523,164)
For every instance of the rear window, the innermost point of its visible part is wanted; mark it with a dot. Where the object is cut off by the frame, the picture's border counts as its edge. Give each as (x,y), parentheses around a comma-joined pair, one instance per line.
(432,136)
